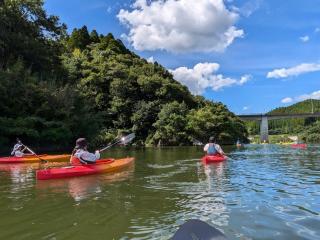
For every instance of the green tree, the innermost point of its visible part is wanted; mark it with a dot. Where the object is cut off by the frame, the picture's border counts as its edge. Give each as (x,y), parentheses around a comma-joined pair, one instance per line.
(79,38)
(28,33)
(171,125)
(215,120)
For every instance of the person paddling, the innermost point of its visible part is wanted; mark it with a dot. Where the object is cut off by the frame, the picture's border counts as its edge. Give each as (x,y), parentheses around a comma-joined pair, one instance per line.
(19,149)
(80,153)
(212,148)
(238,144)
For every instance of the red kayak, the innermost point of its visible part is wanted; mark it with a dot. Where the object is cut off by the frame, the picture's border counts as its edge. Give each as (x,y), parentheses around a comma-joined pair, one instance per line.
(214,158)
(299,145)
(101,166)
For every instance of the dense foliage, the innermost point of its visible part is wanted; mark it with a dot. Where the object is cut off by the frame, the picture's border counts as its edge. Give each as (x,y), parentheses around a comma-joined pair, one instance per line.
(56,87)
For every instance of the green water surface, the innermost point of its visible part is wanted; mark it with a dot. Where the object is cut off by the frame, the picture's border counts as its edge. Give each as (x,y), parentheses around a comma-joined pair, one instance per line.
(261,192)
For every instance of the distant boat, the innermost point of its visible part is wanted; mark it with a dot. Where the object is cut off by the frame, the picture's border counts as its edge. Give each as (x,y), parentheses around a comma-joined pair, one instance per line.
(299,145)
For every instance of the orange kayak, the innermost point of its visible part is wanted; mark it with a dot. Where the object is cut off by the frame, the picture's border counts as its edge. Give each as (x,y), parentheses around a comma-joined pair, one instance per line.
(101,166)
(35,159)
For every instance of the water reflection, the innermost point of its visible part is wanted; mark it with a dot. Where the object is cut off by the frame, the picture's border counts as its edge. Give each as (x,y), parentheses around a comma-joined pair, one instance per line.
(81,188)
(261,192)
(19,173)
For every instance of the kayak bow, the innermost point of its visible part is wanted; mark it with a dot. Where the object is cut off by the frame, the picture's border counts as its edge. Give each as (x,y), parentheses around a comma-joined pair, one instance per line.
(197,229)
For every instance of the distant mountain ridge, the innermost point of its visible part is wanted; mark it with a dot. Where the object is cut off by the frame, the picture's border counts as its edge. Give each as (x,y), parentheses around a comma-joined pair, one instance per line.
(305,106)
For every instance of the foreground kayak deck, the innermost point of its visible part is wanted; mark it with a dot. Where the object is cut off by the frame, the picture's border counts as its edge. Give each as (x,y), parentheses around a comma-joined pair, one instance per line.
(197,229)
(35,159)
(214,158)
(102,166)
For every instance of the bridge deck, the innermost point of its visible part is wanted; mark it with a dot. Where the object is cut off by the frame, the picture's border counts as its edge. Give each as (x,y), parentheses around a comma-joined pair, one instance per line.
(277,116)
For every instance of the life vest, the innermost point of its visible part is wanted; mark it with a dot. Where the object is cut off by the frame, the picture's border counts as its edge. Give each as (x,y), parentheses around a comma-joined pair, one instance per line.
(75,161)
(212,150)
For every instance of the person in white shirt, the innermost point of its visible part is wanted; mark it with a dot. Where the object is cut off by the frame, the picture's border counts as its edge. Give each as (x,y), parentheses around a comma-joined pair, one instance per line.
(18,149)
(82,153)
(212,148)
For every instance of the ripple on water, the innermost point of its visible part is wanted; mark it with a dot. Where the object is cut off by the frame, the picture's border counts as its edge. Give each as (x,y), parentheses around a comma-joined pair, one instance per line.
(261,192)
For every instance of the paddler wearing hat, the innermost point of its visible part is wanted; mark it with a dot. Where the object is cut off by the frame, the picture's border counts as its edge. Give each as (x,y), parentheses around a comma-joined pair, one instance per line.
(81,152)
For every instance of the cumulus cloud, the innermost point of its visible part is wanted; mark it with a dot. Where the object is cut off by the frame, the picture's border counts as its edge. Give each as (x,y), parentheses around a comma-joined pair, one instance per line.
(313,95)
(287,100)
(245,108)
(305,38)
(294,71)
(180,25)
(203,76)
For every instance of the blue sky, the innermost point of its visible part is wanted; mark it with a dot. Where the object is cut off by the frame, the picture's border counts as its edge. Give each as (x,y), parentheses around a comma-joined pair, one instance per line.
(252,55)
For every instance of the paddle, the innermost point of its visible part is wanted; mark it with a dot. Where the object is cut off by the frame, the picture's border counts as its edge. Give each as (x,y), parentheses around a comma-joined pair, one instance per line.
(41,160)
(124,140)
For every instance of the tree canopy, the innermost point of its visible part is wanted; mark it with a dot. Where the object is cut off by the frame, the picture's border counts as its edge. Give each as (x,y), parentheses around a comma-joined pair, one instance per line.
(57,87)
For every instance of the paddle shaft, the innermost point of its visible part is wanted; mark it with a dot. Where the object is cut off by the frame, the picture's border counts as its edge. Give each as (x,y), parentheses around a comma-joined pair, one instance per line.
(41,160)
(124,140)
(110,145)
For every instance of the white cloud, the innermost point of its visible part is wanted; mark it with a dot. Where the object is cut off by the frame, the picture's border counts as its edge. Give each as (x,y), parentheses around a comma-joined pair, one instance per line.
(245,108)
(150,59)
(294,71)
(313,95)
(287,100)
(248,8)
(203,76)
(317,30)
(181,25)
(305,38)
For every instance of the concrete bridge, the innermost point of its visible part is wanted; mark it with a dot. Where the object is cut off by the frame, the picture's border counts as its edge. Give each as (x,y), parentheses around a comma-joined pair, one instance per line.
(264,118)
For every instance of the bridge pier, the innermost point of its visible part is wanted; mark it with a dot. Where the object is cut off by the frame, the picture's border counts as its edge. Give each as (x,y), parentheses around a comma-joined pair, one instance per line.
(264,129)
(263,119)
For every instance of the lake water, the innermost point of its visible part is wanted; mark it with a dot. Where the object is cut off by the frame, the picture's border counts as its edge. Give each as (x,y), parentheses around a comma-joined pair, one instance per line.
(261,192)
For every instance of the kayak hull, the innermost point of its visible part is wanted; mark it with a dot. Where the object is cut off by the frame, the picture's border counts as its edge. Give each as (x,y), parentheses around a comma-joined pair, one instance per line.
(35,159)
(214,158)
(301,145)
(101,166)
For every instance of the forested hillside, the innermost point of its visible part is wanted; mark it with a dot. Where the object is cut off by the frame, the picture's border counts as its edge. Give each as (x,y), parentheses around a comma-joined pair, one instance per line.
(56,87)
(307,127)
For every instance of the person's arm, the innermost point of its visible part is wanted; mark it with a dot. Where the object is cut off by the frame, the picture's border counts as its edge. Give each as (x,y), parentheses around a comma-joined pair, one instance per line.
(24,149)
(219,149)
(206,147)
(97,154)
